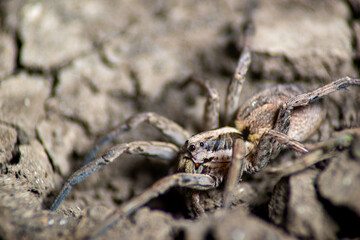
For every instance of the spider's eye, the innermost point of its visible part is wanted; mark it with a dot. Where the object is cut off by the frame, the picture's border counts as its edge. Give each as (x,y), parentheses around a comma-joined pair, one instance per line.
(192,147)
(201,144)
(206,160)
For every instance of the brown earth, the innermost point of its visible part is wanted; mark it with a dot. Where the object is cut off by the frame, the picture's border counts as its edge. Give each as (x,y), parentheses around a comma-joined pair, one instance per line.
(72,70)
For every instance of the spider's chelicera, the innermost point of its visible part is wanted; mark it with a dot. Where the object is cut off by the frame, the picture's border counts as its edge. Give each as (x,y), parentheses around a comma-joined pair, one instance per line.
(282,115)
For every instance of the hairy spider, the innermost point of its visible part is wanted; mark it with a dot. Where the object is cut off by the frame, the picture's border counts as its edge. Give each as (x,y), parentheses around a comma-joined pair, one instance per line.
(281,115)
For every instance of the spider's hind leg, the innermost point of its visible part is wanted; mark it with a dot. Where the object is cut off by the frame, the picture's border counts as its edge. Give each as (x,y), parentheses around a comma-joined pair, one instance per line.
(283,120)
(268,145)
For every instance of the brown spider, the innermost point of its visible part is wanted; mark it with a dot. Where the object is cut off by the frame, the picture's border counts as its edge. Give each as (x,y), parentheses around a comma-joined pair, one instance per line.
(282,115)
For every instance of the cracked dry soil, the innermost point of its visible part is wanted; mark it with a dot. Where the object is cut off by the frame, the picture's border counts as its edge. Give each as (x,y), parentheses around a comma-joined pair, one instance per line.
(72,70)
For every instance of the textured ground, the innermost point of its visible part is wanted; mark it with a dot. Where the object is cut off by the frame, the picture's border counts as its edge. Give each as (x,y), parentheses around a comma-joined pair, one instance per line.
(72,70)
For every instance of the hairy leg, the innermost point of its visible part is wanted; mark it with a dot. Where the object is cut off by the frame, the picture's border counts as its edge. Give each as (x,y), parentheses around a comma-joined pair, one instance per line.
(243,161)
(154,149)
(168,128)
(195,200)
(305,99)
(212,105)
(318,152)
(235,171)
(234,88)
(268,144)
(187,180)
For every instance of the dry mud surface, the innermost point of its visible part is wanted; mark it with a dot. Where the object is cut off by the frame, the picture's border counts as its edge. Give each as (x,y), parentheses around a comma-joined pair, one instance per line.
(72,70)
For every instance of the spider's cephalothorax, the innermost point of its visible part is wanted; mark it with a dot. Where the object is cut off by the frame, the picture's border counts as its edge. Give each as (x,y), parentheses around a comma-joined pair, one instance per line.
(278,116)
(209,152)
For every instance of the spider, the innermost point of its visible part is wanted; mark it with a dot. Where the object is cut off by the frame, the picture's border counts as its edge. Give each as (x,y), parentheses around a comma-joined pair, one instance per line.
(279,116)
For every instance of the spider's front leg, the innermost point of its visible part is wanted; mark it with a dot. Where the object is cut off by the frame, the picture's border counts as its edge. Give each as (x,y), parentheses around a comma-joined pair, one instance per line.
(187,180)
(162,150)
(203,162)
(212,106)
(234,88)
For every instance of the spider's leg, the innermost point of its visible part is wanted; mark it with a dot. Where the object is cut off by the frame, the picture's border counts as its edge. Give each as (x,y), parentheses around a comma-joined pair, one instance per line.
(188,180)
(300,164)
(268,144)
(283,120)
(212,105)
(256,160)
(153,149)
(286,140)
(318,152)
(170,129)
(234,88)
(195,201)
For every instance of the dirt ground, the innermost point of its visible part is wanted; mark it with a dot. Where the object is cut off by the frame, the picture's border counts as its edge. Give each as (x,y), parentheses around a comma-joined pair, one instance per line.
(72,70)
